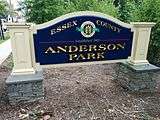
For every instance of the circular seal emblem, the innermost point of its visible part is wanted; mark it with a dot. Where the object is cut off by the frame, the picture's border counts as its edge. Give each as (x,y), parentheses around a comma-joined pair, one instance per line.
(88,29)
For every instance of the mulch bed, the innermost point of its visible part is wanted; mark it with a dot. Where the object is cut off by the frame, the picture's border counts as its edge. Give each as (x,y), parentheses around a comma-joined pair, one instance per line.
(83,93)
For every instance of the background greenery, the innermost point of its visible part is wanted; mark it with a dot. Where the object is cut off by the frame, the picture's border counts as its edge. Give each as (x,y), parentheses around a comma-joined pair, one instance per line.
(149,11)
(40,11)
(44,10)
(3,9)
(6,37)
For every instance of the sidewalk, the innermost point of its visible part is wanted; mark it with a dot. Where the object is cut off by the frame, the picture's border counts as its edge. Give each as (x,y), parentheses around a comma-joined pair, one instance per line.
(5,50)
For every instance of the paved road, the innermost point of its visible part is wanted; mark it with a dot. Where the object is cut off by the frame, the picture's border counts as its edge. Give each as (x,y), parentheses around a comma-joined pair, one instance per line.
(5,50)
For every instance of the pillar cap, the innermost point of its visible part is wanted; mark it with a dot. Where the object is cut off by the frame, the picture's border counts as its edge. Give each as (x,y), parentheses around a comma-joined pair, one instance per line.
(143,24)
(18,25)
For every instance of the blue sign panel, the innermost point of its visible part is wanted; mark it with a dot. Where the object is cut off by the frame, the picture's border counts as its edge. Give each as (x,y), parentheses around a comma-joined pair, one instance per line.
(82,39)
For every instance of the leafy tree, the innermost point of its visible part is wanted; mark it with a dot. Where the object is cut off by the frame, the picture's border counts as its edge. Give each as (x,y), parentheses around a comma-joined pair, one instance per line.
(125,8)
(44,10)
(40,11)
(149,11)
(104,6)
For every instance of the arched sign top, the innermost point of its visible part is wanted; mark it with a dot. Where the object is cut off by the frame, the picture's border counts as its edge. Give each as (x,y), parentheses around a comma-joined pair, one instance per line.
(80,14)
(82,37)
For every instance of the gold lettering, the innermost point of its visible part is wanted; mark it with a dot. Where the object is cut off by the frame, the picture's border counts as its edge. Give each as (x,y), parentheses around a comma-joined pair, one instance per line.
(50,49)
(98,22)
(102,47)
(75,23)
(120,46)
(72,56)
(105,25)
(64,26)
(86,48)
(108,26)
(59,29)
(100,55)
(53,31)
(91,56)
(119,30)
(83,48)
(73,49)
(114,29)
(59,49)
(81,57)
(111,47)
(69,25)
(92,48)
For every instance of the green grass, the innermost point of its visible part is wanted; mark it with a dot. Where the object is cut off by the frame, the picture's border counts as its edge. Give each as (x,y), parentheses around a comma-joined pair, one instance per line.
(6,37)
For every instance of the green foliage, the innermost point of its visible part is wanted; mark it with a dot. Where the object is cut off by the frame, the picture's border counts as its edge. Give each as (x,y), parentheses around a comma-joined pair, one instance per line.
(104,6)
(125,8)
(40,11)
(149,11)
(6,37)
(44,10)
(3,8)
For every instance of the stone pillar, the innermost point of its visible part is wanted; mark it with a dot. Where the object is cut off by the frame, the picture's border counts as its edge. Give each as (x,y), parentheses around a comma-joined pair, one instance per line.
(138,59)
(25,84)
(21,48)
(137,75)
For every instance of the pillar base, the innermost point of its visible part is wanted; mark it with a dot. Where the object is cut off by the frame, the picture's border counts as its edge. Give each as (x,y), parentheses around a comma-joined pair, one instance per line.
(137,78)
(25,88)
(23,71)
(144,66)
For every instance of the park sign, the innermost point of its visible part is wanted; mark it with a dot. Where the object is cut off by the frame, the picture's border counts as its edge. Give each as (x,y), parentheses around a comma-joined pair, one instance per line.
(82,37)
(78,38)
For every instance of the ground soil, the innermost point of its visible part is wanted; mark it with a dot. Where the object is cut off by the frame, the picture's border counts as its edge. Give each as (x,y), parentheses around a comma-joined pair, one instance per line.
(83,93)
